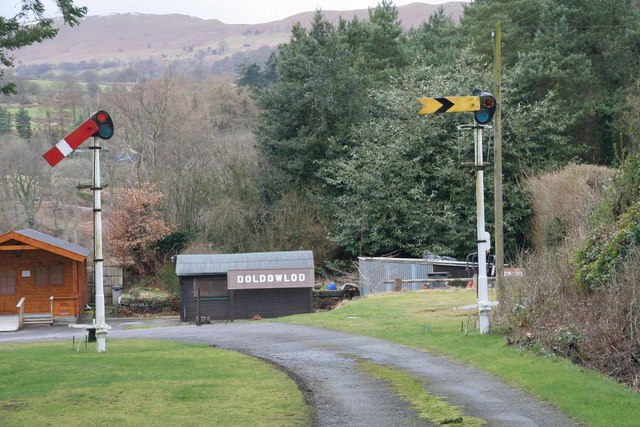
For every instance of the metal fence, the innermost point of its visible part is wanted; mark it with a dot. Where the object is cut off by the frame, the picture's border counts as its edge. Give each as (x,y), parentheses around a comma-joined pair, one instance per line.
(112,276)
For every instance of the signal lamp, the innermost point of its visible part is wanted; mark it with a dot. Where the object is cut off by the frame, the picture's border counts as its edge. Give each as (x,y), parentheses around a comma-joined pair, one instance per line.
(487,108)
(105,125)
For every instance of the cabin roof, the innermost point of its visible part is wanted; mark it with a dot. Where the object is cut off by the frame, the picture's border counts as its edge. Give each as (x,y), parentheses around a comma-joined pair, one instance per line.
(31,239)
(193,265)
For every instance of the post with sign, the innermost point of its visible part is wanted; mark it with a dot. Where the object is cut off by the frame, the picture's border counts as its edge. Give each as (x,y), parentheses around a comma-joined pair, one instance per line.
(99,126)
(483,105)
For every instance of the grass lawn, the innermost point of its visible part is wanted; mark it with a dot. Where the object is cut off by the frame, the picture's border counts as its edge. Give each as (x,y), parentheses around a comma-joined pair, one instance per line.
(426,320)
(165,383)
(143,383)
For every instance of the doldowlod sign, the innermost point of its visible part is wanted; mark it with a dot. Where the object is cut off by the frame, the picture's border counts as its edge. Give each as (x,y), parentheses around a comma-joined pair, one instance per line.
(270,279)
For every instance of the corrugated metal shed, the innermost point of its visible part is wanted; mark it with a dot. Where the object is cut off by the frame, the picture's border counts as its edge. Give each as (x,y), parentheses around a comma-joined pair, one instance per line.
(374,272)
(194,265)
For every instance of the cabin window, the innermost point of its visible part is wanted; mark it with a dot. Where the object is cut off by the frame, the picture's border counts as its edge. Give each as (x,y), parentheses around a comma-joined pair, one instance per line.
(49,275)
(56,276)
(41,276)
(7,281)
(210,287)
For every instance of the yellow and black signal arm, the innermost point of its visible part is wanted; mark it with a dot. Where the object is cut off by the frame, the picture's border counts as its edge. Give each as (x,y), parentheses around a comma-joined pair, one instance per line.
(450,104)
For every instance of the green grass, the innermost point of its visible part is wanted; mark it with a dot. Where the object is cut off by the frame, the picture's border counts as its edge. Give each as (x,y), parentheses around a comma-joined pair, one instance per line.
(36,113)
(430,408)
(426,320)
(143,383)
(160,383)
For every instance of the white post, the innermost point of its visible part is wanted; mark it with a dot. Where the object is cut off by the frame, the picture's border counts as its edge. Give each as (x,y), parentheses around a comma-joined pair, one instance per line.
(101,326)
(484,245)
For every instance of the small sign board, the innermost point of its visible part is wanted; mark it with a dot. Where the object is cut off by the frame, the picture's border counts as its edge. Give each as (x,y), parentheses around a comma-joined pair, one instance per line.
(270,279)
(514,272)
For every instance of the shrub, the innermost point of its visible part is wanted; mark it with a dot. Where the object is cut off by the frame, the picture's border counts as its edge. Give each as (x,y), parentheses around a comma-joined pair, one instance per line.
(607,249)
(563,202)
(168,279)
(545,310)
(135,227)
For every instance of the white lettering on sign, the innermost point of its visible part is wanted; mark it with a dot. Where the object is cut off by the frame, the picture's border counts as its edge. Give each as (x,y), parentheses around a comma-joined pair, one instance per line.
(270,279)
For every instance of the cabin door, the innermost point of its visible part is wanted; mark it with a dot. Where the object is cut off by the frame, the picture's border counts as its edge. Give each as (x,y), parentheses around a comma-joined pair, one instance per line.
(8,289)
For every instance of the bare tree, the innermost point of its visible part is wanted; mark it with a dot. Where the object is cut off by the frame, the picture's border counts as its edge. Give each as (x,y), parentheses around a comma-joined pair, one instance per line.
(191,141)
(148,118)
(23,176)
(134,227)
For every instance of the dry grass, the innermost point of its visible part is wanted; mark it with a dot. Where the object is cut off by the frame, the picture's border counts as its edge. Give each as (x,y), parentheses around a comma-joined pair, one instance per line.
(547,310)
(563,201)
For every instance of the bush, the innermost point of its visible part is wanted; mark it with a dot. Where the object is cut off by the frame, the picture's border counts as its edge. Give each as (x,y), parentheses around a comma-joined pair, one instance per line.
(563,202)
(545,310)
(607,249)
(168,279)
(618,232)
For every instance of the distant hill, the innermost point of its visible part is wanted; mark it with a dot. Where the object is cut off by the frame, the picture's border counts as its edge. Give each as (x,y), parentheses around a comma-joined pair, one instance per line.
(104,44)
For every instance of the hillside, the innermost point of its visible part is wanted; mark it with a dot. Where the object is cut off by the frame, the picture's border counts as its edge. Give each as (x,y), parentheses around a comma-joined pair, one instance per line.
(114,41)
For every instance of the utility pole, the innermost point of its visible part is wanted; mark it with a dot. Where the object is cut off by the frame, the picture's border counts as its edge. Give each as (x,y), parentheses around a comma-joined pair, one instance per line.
(497,155)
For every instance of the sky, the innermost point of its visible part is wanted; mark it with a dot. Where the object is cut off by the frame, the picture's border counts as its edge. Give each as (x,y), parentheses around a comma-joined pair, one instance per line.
(227,11)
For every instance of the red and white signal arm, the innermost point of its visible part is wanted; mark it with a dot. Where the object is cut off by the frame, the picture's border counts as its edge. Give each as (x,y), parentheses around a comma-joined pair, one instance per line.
(99,125)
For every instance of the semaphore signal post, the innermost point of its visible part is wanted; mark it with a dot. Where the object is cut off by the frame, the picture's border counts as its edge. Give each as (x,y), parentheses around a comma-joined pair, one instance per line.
(99,126)
(483,105)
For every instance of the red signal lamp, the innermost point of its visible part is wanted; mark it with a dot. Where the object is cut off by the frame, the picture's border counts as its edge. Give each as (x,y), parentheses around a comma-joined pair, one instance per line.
(487,108)
(105,125)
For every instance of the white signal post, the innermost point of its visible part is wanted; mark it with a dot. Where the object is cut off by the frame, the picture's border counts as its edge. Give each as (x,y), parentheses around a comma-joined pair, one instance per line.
(484,244)
(101,325)
(482,236)
(484,104)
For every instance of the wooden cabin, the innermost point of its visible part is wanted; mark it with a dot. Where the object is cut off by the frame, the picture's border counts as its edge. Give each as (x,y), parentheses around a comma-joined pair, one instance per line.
(243,286)
(49,273)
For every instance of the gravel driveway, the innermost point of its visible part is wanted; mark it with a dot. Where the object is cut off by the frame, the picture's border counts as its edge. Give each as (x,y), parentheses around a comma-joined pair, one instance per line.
(323,364)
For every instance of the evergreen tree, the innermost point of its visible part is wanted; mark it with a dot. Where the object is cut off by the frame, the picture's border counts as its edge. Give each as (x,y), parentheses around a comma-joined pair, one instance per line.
(6,122)
(321,90)
(306,115)
(254,76)
(23,123)
(403,189)
(249,74)
(340,122)
(587,52)
(438,41)
(382,46)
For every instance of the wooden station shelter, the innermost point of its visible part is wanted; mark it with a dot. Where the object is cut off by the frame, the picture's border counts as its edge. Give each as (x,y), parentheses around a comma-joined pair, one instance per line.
(45,275)
(242,286)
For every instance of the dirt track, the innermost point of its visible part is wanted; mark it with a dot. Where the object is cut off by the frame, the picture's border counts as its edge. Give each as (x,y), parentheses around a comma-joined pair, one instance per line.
(323,363)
